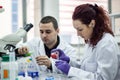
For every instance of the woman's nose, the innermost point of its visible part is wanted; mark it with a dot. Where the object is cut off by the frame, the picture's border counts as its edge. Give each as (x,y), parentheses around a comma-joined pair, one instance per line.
(79,33)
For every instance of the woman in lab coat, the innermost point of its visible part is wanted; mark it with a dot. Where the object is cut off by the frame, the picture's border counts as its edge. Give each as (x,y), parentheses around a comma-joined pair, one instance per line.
(102,55)
(41,47)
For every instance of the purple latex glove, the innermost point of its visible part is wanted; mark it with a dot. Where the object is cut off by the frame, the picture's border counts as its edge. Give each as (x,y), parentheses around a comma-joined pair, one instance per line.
(63,66)
(61,55)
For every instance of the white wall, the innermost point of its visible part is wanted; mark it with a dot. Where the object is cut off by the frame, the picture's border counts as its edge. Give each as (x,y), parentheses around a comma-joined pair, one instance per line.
(5,18)
(51,7)
(116,10)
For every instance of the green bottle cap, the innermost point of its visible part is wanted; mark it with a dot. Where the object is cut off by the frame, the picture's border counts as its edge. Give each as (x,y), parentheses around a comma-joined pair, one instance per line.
(28,54)
(5,58)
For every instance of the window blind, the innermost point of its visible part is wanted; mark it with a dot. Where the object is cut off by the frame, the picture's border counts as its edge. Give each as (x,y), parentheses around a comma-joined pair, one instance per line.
(66,9)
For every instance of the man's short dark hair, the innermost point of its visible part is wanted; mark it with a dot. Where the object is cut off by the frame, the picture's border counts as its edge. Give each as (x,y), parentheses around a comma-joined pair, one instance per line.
(48,19)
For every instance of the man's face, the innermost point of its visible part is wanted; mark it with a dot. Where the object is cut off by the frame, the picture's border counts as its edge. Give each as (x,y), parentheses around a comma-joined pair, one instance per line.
(48,34)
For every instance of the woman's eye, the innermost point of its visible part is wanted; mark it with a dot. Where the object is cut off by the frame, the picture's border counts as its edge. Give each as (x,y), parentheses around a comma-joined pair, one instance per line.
(80,29)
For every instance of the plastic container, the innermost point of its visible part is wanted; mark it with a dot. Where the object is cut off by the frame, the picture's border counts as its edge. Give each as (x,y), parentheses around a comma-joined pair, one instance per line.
(32,70)
(27,65)
(6,67)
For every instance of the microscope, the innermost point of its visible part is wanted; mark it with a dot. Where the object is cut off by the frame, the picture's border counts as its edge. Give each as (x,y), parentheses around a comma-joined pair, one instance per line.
(9,41)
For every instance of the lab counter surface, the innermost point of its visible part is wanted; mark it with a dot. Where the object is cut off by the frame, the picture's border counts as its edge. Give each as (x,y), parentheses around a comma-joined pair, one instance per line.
(56,76)
(44,75)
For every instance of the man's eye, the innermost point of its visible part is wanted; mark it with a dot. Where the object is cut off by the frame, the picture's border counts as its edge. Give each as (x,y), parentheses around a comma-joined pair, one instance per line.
(41,32)
(48,32)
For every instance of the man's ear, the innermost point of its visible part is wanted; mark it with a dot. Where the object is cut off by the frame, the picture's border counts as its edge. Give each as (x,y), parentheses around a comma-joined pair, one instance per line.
(92,23)
(58,30)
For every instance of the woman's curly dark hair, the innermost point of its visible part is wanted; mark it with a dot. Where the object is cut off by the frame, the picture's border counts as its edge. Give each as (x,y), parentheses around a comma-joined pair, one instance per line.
(88,12)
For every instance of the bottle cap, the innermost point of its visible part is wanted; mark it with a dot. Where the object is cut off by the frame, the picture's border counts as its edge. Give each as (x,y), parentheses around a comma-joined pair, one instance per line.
(50,78)
(54,55)
(1,7)
(21,74)
(28,54)
(33,74)
(5,58)
(23,55)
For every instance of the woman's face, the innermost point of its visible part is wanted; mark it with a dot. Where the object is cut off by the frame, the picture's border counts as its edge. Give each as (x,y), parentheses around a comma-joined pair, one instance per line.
(83,30)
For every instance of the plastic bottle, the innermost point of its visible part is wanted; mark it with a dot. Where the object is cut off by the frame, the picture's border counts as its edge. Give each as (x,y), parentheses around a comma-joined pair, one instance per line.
(27,65)
(9,70)
(13,66)
(32,70)
(26,77)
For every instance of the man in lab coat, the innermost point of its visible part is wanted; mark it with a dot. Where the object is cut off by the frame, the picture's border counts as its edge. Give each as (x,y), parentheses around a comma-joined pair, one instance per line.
(49,39)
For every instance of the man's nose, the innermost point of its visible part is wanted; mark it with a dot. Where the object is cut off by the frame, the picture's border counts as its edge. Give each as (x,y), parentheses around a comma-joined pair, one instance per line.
(44,34)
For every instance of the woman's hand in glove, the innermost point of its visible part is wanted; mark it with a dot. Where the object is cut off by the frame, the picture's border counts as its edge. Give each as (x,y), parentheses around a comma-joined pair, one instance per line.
(61,55)
(63,66)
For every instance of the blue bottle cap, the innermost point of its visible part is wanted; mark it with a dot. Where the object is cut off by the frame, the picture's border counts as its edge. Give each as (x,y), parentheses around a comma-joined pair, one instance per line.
(33,74)
(21,74)
(50,78)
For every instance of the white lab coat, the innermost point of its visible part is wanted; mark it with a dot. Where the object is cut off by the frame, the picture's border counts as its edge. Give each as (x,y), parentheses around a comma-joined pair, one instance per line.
(36,47)
(100,63)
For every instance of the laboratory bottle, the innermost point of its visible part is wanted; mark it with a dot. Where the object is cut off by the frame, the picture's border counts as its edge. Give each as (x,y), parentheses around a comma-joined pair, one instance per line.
(32,70)
(27,65)
(5,68)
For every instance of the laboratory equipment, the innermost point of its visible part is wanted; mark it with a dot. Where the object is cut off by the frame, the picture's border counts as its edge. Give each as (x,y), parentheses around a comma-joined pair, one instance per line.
(1,9)
(26,65)
(54,55)
(61,55)
(8,43)
(13,39)
(9,70)
(26,77)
